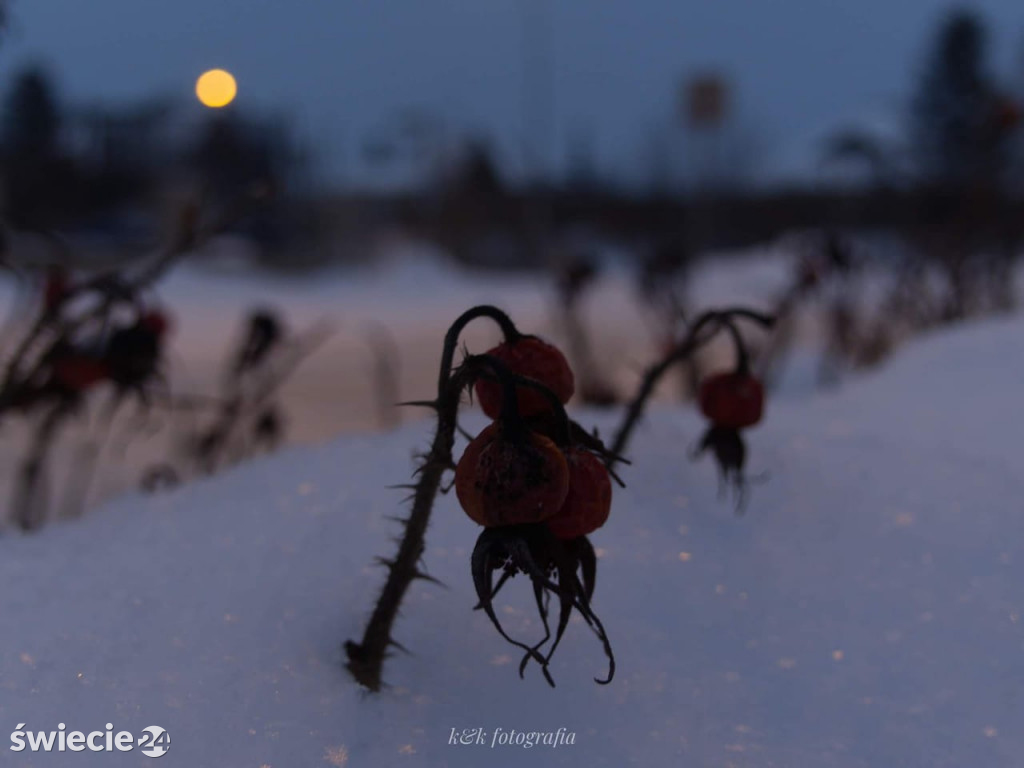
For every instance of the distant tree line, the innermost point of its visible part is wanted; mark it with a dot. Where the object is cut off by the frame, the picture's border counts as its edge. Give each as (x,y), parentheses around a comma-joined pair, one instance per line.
(64,169)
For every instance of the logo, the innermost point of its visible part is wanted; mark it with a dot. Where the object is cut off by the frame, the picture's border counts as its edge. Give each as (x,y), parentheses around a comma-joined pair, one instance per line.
(155,741)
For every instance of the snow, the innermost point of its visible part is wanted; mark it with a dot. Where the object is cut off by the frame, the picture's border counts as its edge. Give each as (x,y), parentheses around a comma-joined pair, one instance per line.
(865,611)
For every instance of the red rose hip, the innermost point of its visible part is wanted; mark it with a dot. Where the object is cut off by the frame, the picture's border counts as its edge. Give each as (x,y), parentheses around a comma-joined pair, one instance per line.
(535,359)
(589,500)
(733,400)
(500,481)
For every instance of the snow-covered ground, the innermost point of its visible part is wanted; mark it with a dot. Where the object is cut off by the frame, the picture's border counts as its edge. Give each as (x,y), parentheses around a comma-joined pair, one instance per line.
(866,611)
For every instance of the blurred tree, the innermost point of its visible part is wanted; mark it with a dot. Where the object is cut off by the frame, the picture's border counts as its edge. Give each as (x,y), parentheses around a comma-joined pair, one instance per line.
(477,174)
(953,102)
(38,177)
(5,15)
(964,128)
(122,152)
(226,158)
(31,120)
(856,153)
(472,218)
(233,153)
(237,156)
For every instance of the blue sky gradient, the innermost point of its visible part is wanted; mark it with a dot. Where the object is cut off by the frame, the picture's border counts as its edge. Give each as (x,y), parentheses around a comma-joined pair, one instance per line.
(346,67)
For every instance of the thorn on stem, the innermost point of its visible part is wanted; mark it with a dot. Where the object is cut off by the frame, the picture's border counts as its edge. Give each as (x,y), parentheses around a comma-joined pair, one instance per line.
(427,577)
(431,404)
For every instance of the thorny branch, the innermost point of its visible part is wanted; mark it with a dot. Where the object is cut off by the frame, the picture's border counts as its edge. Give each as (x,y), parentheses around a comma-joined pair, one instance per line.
(366,658)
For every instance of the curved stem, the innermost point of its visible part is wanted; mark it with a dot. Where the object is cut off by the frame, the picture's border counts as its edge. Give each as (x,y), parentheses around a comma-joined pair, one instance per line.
(451,338)
(653,375)
(742,356)
(27,508)
(683,350)
(759,318)
(564,423)
(510,417)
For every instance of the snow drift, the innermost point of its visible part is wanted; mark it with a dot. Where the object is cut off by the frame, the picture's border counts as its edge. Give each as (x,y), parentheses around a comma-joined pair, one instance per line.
(866,611)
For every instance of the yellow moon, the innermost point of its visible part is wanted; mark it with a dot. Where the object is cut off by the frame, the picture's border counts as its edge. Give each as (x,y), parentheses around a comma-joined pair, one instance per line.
(216,88)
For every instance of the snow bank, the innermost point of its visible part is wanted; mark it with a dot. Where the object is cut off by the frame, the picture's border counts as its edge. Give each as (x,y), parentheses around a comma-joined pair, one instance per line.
(865,612)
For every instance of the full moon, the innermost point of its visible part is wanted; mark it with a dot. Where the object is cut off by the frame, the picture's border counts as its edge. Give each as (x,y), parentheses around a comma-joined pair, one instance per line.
(216,88)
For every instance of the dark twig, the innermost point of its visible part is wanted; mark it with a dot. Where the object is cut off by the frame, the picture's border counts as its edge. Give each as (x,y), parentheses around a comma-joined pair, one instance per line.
(702,330)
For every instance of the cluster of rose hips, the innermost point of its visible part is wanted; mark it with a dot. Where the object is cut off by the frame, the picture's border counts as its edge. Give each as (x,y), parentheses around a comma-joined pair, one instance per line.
(538,485)
(524,467)
(533,479)
(127,354)
(536,481)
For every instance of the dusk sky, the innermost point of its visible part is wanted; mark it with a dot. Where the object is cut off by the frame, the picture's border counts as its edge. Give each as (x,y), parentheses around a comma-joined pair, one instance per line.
(345,68)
